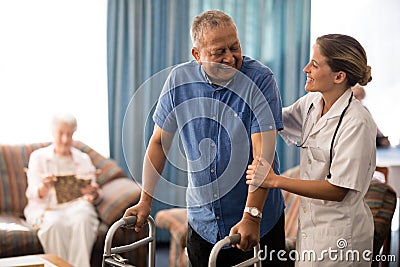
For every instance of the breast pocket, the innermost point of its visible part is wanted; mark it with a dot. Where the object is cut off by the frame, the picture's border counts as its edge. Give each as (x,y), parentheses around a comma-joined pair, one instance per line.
(319,154)
(315,152)
(237,125)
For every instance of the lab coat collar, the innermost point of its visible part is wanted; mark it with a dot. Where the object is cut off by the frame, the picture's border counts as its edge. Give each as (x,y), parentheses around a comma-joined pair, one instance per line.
(335,111)
(340,104)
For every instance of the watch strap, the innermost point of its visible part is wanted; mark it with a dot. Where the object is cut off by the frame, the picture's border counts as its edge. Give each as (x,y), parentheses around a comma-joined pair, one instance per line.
(253,211)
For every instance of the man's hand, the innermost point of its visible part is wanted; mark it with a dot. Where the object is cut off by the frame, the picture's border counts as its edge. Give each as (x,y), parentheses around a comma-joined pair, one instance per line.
(141,211)
(249,230)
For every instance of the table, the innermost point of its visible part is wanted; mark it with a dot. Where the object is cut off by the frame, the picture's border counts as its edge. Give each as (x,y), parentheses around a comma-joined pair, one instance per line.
(49,260)
(390,157)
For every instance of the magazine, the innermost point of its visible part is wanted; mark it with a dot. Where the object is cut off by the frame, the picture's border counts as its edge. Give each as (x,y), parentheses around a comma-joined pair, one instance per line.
(68,187)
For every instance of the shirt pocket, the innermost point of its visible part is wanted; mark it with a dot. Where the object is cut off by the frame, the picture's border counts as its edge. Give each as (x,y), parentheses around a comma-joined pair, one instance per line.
(330,238)
(317,153)
(237,125)
(320,154)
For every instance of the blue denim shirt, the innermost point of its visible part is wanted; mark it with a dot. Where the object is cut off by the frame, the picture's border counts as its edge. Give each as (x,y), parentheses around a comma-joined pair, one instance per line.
(215,124)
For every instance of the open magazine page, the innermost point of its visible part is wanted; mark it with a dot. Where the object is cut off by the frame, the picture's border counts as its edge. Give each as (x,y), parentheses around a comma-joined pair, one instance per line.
(68,187)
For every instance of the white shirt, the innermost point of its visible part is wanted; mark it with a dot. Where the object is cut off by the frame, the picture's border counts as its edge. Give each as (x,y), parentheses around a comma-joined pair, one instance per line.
(330,225)
(42,163)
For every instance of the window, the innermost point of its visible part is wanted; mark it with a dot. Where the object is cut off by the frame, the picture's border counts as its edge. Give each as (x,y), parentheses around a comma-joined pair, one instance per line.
(53,58)
(373,24)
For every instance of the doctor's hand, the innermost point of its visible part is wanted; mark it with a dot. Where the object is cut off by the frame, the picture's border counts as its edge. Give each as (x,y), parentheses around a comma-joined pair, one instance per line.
(260,174)
(249,230)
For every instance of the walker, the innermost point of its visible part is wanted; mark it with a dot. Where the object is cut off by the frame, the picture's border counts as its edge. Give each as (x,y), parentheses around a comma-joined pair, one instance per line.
(111,256)
(229,241)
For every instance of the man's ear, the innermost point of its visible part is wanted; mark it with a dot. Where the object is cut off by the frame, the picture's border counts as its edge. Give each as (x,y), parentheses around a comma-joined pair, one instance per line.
(340,77)
(196,54)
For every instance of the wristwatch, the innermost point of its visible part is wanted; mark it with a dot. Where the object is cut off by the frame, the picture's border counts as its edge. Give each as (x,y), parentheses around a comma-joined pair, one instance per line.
(253,211)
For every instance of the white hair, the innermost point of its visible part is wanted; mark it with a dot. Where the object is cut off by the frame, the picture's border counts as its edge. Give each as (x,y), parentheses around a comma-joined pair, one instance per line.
(66,118)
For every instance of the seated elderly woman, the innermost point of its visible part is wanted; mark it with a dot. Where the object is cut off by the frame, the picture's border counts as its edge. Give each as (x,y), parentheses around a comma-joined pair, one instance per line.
(65,228)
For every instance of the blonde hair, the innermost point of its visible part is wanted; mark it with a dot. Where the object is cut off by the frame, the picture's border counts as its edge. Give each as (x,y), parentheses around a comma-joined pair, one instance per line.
(346,54)
(208,20)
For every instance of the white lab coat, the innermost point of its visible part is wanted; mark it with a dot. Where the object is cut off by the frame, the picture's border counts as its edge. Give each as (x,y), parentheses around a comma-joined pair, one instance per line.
(330,228)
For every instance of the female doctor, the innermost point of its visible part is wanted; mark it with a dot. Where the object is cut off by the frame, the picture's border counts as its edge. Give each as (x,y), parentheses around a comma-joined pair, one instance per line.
(336,136)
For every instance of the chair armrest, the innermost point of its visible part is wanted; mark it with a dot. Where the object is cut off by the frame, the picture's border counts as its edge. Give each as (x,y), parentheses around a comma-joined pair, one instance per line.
(118,195)
(381,199)
(174,220)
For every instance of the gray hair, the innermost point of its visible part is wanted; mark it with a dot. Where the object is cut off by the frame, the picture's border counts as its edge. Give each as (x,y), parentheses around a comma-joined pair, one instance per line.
(208,20)
(66,118)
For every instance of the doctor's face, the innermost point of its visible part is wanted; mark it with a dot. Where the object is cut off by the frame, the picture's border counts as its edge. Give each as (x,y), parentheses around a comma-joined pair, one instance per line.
(219,53)
(320,77)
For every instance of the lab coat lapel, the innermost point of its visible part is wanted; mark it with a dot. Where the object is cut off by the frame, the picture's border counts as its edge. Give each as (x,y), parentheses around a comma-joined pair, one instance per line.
(318,122)
(334,112)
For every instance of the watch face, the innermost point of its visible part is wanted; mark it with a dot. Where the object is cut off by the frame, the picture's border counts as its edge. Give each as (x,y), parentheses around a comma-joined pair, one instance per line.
(254,212)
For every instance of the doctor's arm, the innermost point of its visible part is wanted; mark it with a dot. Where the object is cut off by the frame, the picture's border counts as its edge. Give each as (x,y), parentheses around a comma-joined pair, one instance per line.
(249,226)
(350,165)
(308,188)
(292,117)
(153,165)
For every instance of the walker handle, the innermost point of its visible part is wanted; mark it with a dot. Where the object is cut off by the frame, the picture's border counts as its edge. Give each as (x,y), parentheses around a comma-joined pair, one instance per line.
(234,239)
(226,241)
(229,241)
(129,221)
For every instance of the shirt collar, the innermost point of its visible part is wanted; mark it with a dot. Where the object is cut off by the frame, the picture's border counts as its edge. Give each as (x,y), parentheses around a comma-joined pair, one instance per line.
(50,154)
(337,107)
(208,80)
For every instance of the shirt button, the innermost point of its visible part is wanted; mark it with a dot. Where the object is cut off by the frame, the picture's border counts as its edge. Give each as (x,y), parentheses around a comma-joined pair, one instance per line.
(214,117)
(235,115)
(304,235)
(212,144)
(217,218)
(215,195)
(212,170)
(270,127)
(305,209)
(309,161)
